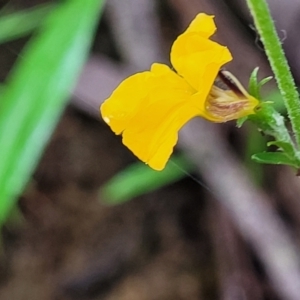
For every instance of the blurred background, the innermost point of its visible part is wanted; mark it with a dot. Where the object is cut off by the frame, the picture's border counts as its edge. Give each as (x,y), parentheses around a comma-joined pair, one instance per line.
(223,228)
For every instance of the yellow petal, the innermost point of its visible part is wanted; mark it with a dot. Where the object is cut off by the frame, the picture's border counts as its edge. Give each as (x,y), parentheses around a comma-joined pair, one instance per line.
(149,108)
(124,102)
(196,58)
(203,25)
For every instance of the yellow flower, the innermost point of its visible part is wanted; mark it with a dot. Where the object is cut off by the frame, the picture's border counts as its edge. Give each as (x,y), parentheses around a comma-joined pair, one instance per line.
(149,108)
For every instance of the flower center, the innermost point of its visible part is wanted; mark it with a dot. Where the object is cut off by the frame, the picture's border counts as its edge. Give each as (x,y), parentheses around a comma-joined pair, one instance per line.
(231,101)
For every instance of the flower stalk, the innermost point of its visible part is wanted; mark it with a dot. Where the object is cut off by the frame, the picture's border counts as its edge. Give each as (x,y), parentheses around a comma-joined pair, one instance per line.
(269,37)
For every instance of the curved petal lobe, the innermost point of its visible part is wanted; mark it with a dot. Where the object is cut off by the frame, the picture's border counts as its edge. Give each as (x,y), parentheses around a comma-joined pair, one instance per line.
(149,108)
(196,58)
(203,25)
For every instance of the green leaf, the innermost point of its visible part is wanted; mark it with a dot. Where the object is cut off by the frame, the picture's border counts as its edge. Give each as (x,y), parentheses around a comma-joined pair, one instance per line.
(21,23)
(37,92)
(253,87)
(264,81)
(274,158)
(270,122)
(280,144)
(139,179)
(241,121)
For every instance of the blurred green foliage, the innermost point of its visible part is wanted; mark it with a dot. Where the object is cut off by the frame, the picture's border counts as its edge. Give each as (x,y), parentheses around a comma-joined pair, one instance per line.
(255,143)
(39,85)
(18,24)
(139,179)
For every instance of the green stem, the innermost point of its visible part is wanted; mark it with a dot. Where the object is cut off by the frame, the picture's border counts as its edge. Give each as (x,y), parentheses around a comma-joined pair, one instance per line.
(266,29)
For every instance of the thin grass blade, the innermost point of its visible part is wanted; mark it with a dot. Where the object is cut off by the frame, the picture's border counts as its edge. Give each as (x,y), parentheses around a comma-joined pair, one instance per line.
(37,91)
(21,23)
